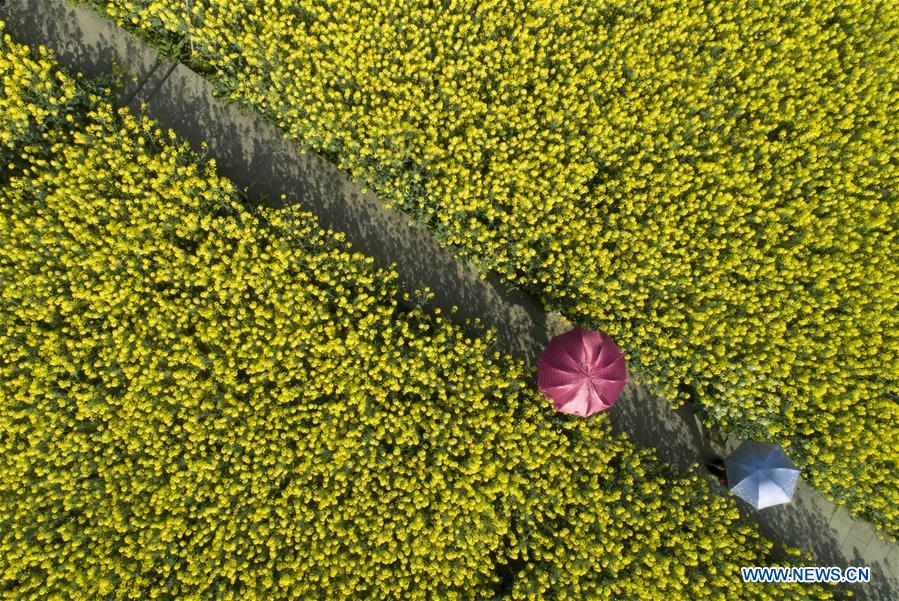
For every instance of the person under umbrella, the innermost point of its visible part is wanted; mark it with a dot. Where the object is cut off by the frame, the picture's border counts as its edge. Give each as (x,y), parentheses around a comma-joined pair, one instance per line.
(582,372)
(761,474)
(717,468)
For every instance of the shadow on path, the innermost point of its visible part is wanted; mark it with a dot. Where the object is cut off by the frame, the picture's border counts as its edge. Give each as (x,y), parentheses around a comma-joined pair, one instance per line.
(651,422)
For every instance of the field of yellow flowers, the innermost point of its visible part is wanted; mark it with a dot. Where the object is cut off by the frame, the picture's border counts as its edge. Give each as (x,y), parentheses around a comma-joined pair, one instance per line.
(711,182)
(200,399)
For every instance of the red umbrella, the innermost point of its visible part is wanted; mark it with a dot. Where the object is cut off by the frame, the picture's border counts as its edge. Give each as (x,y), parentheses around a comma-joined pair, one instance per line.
(582,372)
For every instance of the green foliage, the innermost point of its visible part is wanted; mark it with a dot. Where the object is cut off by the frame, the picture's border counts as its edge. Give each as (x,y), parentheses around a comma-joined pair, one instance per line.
(35,99)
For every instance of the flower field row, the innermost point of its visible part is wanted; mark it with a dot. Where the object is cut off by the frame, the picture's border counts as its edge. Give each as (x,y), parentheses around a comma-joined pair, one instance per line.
(711,182)
(201,400)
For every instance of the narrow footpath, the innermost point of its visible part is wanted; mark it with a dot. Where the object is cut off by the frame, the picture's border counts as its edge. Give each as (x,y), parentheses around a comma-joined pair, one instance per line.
(257,157)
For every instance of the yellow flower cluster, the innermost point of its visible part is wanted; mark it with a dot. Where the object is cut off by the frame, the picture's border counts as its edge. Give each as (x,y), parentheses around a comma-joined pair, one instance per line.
(33,97)
(198,400)
(711,182)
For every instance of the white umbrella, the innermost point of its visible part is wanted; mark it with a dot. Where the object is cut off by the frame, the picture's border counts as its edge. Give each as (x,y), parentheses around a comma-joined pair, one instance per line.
(761,474)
